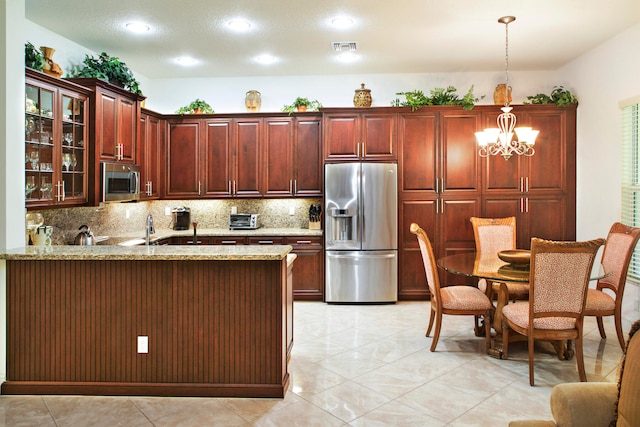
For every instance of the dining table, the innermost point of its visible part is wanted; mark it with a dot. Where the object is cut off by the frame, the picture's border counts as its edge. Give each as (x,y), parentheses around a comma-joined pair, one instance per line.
(483,265)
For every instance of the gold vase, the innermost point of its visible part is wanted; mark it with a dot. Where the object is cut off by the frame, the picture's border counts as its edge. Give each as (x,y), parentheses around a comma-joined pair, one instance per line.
(253,100)
(362,98)
(501,94)
(50,67)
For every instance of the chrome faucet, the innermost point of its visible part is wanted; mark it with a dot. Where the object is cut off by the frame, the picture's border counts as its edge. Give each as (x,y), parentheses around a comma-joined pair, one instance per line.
(149,229)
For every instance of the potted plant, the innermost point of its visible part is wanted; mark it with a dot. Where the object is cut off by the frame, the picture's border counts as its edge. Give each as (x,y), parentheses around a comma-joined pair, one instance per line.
(439,96)
(33,58)
(302,104)
(107,68)
(559,96)
(196,107)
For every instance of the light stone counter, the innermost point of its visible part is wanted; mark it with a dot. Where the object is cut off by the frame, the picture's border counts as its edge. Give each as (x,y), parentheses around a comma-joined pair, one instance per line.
(150,253)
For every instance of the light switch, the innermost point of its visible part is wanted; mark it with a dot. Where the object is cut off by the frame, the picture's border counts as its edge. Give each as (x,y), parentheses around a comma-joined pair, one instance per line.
(292,210)
(167,210)
(143,344)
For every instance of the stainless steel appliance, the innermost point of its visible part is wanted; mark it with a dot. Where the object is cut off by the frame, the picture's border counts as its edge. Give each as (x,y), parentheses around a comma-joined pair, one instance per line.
(243,221)
(361,236)
(120,182)
(181,218)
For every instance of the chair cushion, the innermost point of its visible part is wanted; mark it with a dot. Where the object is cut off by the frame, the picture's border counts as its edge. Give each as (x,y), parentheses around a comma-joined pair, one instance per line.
(464,298)
(518,314)
(629,400)
(599,301)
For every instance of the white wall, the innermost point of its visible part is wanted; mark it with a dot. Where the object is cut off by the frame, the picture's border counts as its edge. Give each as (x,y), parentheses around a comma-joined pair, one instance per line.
(602,77)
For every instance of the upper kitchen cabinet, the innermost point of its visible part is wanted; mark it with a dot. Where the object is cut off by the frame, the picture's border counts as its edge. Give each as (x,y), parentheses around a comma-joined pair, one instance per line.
(293,156)
(222,157)
(56,131)
(114,115)
(150,145)
(360,135)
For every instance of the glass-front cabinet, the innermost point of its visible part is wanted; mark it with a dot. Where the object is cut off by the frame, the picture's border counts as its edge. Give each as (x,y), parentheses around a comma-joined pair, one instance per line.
(56,149)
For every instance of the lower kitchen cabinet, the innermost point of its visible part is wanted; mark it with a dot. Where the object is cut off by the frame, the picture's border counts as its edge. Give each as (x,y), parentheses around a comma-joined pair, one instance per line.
(308,275)
(188,240)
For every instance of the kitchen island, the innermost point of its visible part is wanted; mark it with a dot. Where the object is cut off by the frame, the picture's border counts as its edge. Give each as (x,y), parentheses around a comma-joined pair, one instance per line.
(149,320)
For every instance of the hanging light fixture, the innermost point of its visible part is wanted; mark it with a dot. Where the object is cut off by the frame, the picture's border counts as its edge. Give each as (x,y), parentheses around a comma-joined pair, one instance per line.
(500,140)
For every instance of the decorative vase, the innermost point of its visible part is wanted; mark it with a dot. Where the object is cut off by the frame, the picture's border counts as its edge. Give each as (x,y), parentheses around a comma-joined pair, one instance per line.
(49,66)
(301,108)
(253,100)
(362,98)
(501,94)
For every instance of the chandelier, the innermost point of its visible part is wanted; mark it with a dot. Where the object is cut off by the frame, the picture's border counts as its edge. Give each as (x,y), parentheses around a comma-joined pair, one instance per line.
(500,140)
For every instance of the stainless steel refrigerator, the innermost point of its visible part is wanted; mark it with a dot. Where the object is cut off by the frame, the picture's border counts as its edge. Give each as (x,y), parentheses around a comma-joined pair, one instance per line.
(361,232)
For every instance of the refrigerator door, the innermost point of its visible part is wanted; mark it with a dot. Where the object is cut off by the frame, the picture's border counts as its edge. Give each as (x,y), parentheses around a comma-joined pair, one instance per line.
(379,206)
(361,276)
(342,183)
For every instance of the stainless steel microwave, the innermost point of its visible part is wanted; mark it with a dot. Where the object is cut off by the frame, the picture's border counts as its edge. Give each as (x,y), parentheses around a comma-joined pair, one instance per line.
(120,182)
(242,221)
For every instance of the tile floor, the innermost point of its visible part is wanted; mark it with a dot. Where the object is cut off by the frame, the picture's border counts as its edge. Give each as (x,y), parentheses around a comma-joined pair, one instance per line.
(366,365)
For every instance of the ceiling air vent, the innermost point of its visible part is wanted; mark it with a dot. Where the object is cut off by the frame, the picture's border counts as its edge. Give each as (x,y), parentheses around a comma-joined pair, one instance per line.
(344,46)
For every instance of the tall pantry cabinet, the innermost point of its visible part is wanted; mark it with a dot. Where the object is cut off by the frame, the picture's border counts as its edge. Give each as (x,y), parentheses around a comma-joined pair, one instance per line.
(443,182)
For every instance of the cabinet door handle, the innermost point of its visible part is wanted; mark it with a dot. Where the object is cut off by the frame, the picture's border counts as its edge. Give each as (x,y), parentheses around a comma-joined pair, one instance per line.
(290,186)
(235,187)
(295,186)
(265,242)
(303,242)
(521,184)
(58,195)
(437,205)
(228,242)
(526,184)
(527,204)
(437,185)
(441,185)
(364,149)
(199,188)
(63,191)
(358,149)
(230,187)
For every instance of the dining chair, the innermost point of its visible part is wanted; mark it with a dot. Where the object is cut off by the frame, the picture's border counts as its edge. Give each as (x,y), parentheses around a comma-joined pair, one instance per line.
(452,300)
(558,283)
(493,235)
(621,242)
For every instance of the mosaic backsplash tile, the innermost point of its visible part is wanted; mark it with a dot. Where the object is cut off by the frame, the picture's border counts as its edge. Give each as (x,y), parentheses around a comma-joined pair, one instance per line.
(118,219)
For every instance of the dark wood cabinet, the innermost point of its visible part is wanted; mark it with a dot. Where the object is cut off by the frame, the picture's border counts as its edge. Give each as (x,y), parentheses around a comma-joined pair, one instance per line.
(443,182)
(188,240)
(292,153)
(360,135)
(114,117)
(538,190)
(150,155)
(222,155)
(56,148)
(308,274)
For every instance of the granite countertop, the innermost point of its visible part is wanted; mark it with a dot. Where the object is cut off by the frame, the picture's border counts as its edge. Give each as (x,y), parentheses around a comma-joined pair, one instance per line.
(213,232)
(151,253)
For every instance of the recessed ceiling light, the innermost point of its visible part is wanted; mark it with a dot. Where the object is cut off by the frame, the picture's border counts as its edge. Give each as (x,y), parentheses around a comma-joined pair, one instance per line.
(266,59)
(137,27)
(186,61)
(239,24)
(347,56)
(342,22)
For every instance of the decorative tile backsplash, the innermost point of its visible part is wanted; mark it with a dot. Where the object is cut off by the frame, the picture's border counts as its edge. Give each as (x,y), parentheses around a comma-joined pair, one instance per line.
(126,219)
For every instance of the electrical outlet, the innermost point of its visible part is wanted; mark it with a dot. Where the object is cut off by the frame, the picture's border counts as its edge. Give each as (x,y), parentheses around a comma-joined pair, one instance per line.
(234,210)
(143,344)
(127,214)
(292,210)
(167,210)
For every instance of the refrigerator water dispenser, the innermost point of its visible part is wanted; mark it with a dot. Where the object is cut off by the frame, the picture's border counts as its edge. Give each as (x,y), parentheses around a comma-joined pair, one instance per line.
(342,225)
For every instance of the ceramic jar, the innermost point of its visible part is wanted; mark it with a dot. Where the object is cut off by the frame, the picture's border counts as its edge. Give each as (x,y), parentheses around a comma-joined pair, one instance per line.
(253,100)
(41,236)
(362,98)
(501,94)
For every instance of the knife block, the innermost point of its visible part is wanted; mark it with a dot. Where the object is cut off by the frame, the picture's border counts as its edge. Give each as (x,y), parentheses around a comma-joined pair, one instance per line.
(314,225)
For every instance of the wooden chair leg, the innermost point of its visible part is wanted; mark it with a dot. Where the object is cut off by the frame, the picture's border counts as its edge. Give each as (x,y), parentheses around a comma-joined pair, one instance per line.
(431,317)
(618,322)
(603,334)
(580,359)
(487,329)
(505,341)
(436,334)
(531,348)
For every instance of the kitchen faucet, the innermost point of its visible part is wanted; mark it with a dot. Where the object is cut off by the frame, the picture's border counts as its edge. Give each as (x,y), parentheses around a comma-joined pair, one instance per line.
(149,229)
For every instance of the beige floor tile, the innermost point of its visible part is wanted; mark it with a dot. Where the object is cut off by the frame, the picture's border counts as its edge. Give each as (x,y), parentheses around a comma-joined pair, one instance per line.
(24,411)
(348,401)
(95,411)
(394,414)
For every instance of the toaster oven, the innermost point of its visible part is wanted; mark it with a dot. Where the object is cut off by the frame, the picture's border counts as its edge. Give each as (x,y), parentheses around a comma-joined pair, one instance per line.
(243,221)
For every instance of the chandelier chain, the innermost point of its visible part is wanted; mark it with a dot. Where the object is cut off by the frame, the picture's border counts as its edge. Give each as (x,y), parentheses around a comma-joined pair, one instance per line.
(506,61)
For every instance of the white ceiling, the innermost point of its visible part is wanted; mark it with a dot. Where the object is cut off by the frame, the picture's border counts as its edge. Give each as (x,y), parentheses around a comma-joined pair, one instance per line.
(402,36)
